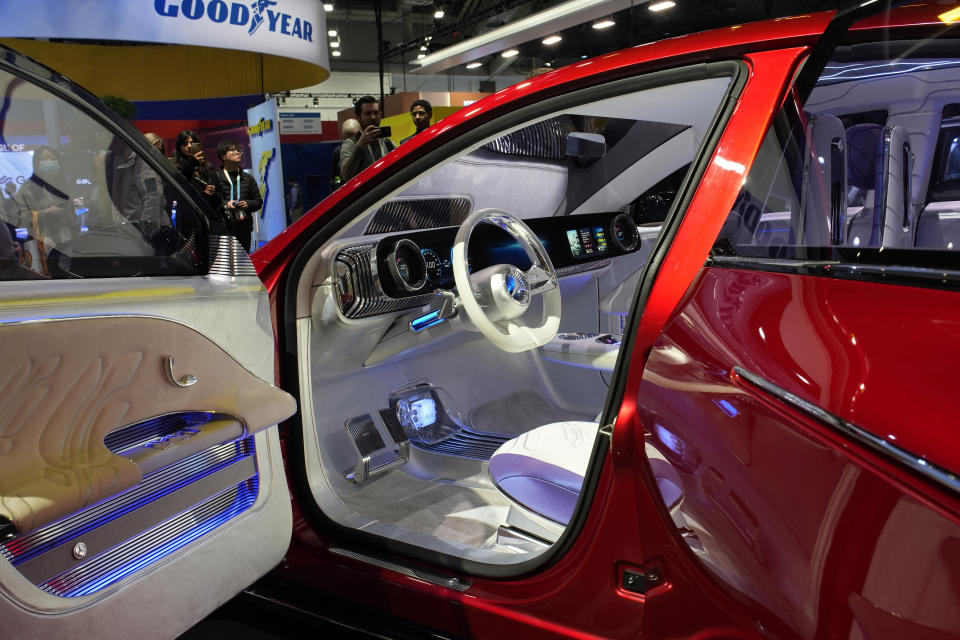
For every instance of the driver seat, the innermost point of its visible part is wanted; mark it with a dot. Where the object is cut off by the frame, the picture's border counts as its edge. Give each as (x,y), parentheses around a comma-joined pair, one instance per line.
(541,473)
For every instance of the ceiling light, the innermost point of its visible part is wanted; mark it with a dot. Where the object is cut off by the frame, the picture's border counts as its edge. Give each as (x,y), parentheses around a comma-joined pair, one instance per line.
(950,16)
(332,33)
(438,14)
(474,65)
(603,23)
(548,64)
(328,6)
(509,53)
(552,40)
(335,53)
(421,56)
(662,6)
(565,15)
(583,57)
(335,44)
(423,47)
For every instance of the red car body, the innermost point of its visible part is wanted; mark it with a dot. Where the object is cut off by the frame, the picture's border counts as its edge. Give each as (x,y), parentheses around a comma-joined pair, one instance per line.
(775,455)
(804,517)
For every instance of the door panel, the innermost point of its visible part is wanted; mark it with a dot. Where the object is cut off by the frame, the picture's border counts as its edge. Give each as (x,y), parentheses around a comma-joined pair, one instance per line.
(71,382)
(140,504)
(818,531)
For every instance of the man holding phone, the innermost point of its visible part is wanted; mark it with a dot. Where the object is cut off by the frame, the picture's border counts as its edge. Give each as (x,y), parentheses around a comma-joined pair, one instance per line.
(372,143)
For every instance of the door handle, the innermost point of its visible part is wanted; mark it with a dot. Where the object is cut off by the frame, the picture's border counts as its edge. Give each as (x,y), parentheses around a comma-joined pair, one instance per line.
(187,380)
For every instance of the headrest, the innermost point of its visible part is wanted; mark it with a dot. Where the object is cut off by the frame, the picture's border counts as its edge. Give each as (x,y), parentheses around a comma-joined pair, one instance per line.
(864,155)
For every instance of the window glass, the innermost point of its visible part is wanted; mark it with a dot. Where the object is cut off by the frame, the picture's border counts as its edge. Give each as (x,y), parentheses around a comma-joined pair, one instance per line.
(628,154)
(845,178)
(79,202)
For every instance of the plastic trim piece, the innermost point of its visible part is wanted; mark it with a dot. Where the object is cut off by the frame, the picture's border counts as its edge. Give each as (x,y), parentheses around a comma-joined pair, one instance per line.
(433,577)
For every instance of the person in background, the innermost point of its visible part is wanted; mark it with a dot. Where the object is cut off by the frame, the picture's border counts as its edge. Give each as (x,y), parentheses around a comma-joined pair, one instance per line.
(294,199)
(43,203)
(238,192)
(364,149)
(9,211)
(156,141)
(192,163)
(349,129)
(421,112)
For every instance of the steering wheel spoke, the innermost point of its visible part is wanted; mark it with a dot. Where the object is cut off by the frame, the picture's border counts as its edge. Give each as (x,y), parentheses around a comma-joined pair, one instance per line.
(497,298)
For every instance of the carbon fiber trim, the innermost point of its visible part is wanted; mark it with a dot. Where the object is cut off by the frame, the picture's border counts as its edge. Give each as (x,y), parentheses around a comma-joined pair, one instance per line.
(433,577)
(406,215)
(582,268)
(229,258)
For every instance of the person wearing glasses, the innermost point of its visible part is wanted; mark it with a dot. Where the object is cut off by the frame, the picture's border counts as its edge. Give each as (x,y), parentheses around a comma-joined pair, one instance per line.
(238,192)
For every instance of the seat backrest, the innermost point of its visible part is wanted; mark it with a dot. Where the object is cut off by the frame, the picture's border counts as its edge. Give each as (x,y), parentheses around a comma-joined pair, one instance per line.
(879,160)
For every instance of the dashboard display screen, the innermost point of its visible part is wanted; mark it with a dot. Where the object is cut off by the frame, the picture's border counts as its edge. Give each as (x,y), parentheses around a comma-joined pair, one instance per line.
(587,241)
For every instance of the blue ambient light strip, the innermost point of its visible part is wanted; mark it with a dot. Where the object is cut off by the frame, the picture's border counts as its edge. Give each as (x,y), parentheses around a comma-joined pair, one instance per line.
(425,321)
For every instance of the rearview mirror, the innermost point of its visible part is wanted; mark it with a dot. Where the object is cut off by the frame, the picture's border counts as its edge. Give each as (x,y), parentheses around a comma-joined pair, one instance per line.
(586,146)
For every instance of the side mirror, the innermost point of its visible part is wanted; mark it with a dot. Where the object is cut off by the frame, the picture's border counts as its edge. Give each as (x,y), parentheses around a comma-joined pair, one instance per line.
(586,146)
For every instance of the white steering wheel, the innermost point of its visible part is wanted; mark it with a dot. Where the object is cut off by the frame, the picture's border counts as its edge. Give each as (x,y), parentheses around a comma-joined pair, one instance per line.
(496,297)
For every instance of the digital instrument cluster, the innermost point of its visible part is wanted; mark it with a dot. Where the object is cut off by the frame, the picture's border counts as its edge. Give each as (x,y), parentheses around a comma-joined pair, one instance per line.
(418,262)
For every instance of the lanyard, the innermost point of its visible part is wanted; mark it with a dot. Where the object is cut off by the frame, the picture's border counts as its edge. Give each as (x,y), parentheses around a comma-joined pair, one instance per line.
(230,182)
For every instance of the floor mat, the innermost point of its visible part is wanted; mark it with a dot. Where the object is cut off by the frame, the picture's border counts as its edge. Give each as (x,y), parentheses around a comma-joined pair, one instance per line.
(447,511)
(518,413)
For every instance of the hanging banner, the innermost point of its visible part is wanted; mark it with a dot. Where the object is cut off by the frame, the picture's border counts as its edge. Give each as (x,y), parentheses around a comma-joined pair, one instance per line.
(289,28)
(266,168)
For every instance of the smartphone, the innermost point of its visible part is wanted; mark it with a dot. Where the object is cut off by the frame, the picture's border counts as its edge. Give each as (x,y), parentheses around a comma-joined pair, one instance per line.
(196,147)
(385,132)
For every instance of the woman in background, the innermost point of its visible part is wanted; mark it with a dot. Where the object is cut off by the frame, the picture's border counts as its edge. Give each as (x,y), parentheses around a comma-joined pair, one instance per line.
(238,191)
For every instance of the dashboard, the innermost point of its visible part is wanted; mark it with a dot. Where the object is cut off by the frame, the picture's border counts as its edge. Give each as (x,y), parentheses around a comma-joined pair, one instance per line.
(405,270)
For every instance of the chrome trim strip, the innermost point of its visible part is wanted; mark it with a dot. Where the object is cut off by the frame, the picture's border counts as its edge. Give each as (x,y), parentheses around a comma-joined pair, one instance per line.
(828,265)
(229,258)
(441,580)
(877,444)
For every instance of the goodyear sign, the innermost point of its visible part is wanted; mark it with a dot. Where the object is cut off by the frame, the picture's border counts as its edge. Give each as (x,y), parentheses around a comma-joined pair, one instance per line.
(265,157)
(261,127)
(289,28)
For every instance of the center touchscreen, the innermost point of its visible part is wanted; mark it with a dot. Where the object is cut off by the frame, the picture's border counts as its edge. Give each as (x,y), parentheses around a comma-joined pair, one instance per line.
(587,241)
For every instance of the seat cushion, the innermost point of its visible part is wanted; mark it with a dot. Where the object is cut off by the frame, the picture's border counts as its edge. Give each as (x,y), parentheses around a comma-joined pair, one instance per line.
(543,469)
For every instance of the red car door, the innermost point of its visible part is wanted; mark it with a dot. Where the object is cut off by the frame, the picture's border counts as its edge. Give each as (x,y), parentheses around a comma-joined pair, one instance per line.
(801,388)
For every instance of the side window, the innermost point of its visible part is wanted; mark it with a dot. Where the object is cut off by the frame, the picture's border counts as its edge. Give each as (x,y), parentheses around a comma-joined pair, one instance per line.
(845,178)
(79,202)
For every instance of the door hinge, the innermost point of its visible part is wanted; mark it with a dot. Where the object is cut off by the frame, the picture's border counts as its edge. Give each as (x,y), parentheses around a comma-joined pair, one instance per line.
(607,430)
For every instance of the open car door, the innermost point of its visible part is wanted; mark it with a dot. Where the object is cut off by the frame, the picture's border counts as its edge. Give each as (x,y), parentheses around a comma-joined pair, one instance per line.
(141,483)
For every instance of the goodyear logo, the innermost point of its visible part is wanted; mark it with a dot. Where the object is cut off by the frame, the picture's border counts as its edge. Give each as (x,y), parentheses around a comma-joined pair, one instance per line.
(262,127)
(253,15)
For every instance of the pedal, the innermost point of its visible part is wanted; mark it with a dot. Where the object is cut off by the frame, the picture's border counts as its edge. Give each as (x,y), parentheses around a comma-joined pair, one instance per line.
(375,456)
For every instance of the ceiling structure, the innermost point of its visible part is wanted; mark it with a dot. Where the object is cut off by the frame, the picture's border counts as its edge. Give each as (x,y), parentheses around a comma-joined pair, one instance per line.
(410,29)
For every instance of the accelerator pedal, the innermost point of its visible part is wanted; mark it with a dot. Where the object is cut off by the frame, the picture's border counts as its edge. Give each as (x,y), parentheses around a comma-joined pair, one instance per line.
(376,457)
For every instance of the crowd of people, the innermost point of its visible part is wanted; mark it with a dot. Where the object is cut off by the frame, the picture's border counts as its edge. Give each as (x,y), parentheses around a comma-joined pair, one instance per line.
(47,204)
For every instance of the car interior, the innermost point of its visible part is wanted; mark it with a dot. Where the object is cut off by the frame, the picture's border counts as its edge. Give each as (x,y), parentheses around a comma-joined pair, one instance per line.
(479,412)
(882,158)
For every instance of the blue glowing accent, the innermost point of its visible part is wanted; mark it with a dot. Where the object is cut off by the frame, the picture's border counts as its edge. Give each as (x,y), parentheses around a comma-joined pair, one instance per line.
(79,211)
(20,558)
(425,321)
(511,283)
(726,407)
(84,229)
(246,495)
(22,233)
(173,213)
